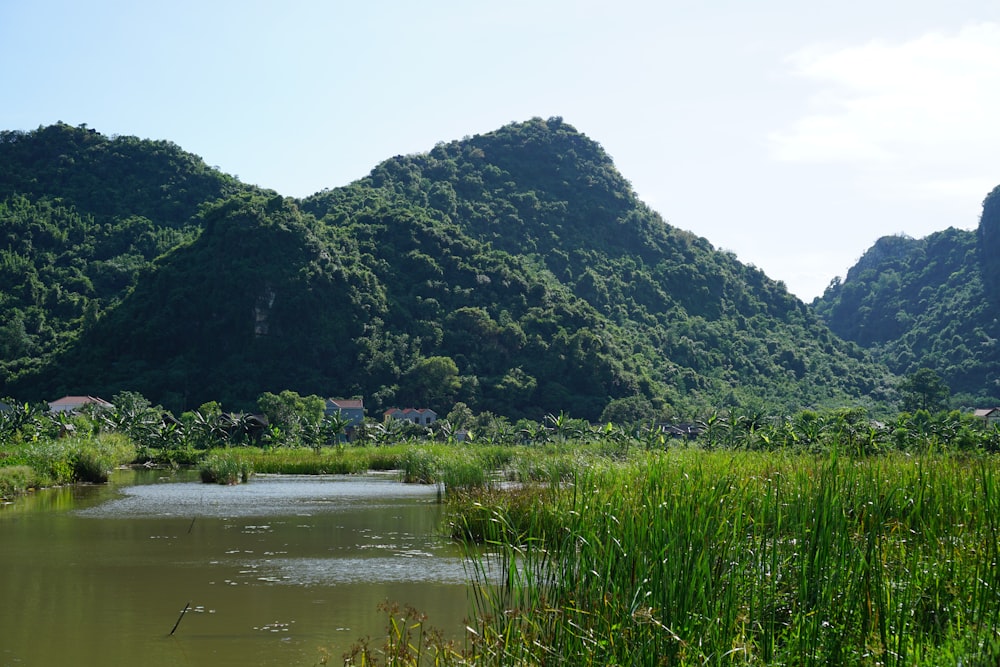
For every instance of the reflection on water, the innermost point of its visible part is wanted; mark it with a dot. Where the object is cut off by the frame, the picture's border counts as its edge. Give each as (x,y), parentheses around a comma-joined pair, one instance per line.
(276,570)
(264,495)
(398,569)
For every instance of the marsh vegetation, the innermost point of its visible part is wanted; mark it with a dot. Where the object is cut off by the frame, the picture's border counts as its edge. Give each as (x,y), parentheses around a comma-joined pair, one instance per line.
(822,538)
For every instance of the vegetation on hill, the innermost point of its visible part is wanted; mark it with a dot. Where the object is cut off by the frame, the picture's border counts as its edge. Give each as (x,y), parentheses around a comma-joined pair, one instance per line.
(82,216)
(669,315)
(928,303)
(514,271)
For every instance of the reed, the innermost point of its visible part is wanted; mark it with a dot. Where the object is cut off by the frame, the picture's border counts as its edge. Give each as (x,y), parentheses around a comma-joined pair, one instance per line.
(409,642)
(307,461)
(693,557)
(82,458)
(466,472)
(226,467)
(420,465)
(94,458)
(16,481)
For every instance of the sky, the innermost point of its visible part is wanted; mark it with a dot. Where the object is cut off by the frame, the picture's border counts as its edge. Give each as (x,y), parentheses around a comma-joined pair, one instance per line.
(794,134)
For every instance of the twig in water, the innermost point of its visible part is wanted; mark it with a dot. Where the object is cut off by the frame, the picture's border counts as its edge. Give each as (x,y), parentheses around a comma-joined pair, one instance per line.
(181,617)
(192,525)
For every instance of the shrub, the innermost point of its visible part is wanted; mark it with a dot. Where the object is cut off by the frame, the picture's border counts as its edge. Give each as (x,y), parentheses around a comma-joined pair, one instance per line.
(91,465)
(94,459)
(225,468)
(16,480)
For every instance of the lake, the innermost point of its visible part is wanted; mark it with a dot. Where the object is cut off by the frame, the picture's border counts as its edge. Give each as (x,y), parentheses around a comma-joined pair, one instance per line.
(283,570)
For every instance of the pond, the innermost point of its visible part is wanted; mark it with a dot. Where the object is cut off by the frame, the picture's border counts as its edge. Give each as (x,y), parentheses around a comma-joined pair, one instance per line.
(283,570)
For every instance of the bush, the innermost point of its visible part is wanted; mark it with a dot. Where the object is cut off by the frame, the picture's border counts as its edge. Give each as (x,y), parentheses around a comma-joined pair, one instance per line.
(95,459)
(91,465)
(16,480)
(225,468)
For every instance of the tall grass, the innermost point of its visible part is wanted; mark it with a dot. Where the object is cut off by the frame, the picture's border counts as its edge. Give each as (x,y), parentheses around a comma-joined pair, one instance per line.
(701,558)
(82,458)
(16,481)
(95,458)
(226,467)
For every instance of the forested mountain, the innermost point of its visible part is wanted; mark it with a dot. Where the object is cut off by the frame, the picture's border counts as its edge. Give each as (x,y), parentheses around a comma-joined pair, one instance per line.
(81,216)
(929,303)
(515,271)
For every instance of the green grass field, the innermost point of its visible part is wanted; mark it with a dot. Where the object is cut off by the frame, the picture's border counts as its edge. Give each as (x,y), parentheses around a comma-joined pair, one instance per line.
(689,557)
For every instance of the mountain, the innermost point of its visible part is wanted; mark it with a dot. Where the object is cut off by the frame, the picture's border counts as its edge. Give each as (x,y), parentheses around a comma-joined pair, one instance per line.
(515,271)
(928,303)
(81,217)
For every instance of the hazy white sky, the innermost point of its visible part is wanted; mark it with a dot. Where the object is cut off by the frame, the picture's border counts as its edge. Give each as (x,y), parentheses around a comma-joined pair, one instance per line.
(792,133)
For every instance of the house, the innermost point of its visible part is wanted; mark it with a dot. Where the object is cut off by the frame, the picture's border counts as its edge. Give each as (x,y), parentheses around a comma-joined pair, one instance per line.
(421,416)
(351,409)
(682,430)
(989,415)
(75,403)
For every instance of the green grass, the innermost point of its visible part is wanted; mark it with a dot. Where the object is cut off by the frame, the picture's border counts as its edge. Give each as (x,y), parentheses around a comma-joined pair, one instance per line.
(693,557)
(17,480)
(83,458)
(226,467)
(586,555)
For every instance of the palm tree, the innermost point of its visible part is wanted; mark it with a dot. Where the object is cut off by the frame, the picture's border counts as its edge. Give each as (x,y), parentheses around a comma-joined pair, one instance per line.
(331,430)
(204,429)
(563,426)
(713,427)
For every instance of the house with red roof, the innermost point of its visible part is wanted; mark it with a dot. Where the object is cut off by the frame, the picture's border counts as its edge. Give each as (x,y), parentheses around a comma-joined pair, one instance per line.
(421,416)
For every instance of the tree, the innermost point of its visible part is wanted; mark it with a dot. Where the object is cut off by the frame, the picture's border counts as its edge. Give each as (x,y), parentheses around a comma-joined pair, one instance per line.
(431,381)
(460,416)
(924,390)
(331,430)
(989,243)
(297,416)
(629,410)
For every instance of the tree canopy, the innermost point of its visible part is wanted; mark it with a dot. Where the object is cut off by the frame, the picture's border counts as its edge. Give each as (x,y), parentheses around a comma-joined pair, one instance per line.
(515,272)
(929,303)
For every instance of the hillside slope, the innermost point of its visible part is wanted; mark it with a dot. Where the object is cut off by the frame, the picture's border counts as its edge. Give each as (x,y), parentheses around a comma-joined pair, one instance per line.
(928,303)
(81,217)
(515,271)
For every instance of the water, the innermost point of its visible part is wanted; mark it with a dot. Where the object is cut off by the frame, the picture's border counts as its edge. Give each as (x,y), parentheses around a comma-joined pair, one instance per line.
(280,571)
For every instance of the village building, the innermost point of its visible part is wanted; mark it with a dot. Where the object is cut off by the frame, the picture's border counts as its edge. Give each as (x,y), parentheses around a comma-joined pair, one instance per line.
(420,416)
(351,409)
(989,415)
(76,403)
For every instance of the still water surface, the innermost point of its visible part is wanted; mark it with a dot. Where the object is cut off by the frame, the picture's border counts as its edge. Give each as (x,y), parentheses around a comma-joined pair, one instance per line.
(280,571)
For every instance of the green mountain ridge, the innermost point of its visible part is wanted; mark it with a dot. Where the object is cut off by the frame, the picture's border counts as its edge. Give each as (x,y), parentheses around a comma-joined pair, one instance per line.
(515,271)
(928,303)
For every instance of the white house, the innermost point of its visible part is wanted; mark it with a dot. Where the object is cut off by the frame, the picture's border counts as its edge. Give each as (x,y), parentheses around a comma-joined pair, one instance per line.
(989,415)
(75,403)
(421,416)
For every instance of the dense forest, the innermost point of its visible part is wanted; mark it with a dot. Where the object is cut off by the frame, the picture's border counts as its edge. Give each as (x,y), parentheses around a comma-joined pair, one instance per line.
(81,217)
(515,271)
(928,303)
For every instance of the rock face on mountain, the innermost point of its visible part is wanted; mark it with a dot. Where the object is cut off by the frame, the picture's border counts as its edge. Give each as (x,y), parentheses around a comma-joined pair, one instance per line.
(515,271)
(989,246)
(929,303)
